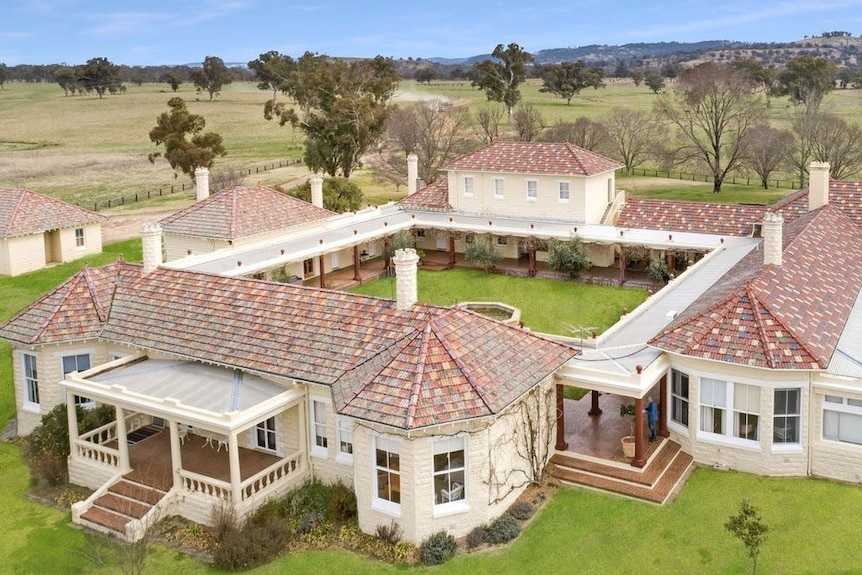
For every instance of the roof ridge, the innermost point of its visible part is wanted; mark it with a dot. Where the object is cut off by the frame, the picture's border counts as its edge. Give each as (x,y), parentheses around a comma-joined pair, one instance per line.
(468,375)
(570,149)
(14,213)
(71,283)
(420,372)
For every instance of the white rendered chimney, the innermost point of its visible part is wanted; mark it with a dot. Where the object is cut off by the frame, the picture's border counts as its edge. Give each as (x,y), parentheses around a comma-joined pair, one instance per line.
(406,291)
(772,238)
(412,174)
(151,241)
(317,191)
(818,185)
(202,184)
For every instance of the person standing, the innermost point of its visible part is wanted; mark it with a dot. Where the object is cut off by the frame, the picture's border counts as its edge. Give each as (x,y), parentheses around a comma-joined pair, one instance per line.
(652,417)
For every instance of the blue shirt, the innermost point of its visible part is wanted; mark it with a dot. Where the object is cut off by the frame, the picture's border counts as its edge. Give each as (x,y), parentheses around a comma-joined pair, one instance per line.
(652,411)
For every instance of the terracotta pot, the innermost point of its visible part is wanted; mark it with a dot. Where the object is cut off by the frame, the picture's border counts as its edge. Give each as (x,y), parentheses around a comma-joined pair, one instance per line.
(628,443)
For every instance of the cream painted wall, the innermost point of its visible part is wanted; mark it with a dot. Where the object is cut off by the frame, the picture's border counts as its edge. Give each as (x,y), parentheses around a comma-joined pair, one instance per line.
(22,254)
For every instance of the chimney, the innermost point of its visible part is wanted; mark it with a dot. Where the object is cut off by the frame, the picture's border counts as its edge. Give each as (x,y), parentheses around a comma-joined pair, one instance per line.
(316,191)
(202,184)
(818,185)
(151,240)
(406,262)
(412,174)
(772,238)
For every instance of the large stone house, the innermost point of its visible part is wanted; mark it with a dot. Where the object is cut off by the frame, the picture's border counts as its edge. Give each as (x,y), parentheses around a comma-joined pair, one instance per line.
(38,230)
(751,349)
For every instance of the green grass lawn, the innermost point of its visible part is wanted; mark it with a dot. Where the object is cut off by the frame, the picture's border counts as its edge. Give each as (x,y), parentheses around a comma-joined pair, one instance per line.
(547,306)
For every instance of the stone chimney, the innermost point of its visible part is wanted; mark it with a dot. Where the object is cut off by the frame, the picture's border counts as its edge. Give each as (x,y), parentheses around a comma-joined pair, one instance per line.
(202,184)
(406,263)
(316,191)
(151,240)
(412,174)
(818,185)
(772,238)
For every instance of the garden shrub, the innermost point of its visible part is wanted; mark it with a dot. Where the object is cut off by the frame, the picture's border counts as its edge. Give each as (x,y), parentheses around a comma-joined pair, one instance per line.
(477,536)
(521,510)
(568,258)
(503,529)
(313,495)
(309,522)
(260,539)
(437,548)
(342,502)
(389,533)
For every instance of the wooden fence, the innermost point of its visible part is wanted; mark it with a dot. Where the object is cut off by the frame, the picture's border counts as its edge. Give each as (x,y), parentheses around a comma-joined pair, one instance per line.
(737,180)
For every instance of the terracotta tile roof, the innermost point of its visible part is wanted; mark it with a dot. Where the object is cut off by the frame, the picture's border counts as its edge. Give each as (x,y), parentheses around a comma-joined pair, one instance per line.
(534,158)
(242,212)
(433,197)
(455,365)
(846,196)
(24,212)
(779,317)
(75,310)
(698,217)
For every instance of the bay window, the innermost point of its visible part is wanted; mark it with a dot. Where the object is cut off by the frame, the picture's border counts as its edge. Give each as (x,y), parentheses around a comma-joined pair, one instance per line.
(387,476)
(787,416)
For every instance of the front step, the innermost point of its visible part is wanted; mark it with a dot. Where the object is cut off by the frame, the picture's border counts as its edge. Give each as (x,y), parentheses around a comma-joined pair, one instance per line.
(124,502)
(137,491)
(654,483)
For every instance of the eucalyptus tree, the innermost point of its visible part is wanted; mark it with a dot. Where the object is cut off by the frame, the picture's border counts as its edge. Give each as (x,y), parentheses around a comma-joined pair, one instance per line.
(187,146)
(499,78)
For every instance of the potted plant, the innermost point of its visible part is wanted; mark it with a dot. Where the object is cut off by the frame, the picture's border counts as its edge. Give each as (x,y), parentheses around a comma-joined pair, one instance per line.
(628,441)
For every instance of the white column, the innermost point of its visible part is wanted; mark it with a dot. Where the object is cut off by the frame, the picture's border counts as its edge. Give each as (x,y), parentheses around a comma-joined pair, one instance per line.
(818,185)
(151,243)
(772,238)
(316,191)
(406,290)
(412,174)
(176,453)
(123,440)
(235,475)
(72,416)
(202,184)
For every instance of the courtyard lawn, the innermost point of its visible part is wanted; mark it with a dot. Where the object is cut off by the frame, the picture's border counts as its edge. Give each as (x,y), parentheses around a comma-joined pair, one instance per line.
(547,306)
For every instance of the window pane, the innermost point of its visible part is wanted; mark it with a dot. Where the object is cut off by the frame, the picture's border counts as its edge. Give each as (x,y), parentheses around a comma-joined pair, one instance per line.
(380,458)
(394,462)
(441,462)
(854,402)
(850,428)
(830,425)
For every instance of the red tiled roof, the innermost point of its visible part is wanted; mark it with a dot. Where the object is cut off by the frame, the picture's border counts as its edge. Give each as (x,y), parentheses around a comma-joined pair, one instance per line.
(698,217)
(406,368)
(846,196)
(24,212)
(242,212)
(75,310)
(781,317)
(433,197)
(534,158)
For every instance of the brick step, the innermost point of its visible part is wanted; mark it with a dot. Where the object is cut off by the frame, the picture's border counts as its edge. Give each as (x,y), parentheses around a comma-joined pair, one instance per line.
(647,476)
(676,473)
(106,518)
(123,505)
(137,491)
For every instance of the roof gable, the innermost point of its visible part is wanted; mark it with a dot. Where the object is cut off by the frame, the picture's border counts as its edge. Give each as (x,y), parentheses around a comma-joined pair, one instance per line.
(241,212)
(562,159)
(433,197)
(24,212)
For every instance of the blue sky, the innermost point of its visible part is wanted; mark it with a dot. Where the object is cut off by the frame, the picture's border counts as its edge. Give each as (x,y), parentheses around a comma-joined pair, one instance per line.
(179,31)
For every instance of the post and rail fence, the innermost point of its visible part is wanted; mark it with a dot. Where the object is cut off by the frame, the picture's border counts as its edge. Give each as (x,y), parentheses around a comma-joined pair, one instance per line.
(737,180)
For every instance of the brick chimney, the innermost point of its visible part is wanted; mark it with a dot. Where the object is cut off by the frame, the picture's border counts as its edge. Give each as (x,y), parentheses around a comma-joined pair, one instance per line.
(316,191)
(412,174)
(772,231)
(406,263)
(818,185)
(151,240)
(202,184)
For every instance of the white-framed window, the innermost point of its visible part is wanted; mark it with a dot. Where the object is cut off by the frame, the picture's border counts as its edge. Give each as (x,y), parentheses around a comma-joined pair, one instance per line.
(499,188)
(31,379)
(468,186)
(319,441)
(713,406)
(266,435)
(79,362)
(387,475)
(79,237)
(450,466)
(787,416)
(469,238)
(532,190)
(565,191)
(420,233)
(746,411)
(308,267)
(502,240)
(345,438)
(679,397)
(842,419)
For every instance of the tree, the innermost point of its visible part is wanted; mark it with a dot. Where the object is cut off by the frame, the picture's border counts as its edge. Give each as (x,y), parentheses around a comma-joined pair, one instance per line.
(183,153)
(273,71)
(806,80)
(339,194)
(212,76)
(629,136)
(568,258)
(768,149)
(637,77)
(764,78)
(500,78)
(749,528)
(622,70)
(343,107)
(583,132)
(173,80)
(99,74)
(487,123)
(713,111)
(426,74)
(4,74)
(566,79)
(528,122)
(483,252)
(838,142)
(67,78)
(654,82)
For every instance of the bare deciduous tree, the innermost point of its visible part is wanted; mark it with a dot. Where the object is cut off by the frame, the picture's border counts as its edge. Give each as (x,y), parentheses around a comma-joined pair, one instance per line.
(768,149)
(583,132)
(629,136)
(528,122)
(486,123)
